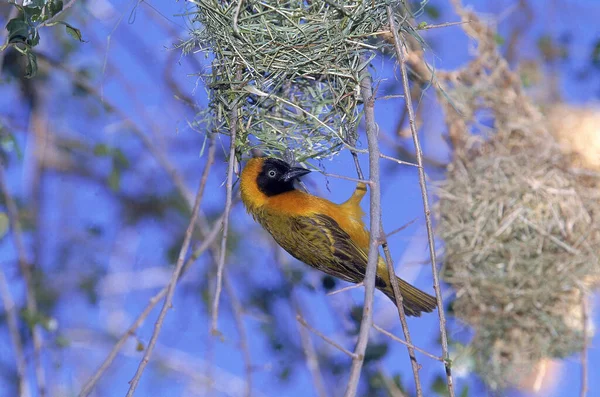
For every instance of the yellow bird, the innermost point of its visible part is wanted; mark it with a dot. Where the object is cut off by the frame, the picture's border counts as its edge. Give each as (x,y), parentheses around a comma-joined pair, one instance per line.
(327,236)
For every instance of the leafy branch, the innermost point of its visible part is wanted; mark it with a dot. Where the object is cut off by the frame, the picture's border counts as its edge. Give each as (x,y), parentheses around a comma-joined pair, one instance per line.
(23,30)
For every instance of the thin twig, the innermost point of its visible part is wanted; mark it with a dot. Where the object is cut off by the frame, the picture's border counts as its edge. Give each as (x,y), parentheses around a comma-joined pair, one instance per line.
(312,359)
(171,287)
(586,343)
(402,315)
(440,25)
(325,338)
(348,178)
(400,228)
(160,157)
(15,336)
(91,383)
(390,385)
(353,286)
(394,280)
(430,237)
(395,160)
(233,121)
(374,235)
(238,316)
(405,343)
(17,233)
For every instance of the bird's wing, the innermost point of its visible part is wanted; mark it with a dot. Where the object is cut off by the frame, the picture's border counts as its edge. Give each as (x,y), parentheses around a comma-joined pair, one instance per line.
(323,244)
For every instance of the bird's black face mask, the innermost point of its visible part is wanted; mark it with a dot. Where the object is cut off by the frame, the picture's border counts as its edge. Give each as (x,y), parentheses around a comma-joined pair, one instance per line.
(278,177)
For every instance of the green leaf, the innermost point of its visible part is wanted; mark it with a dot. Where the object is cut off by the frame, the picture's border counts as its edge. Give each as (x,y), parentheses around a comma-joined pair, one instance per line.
(120,159)
(52,8)
(3,224)
(88,285)
(62,341)
(101,150)
(36,4)
(8,142)
(398,381)
(18,30)
(285,373)
(328,283)
(31,318)
(35,38)
(499,39)
(33,14)
(139,346)
(439,386)
(32,68)
(71,30)
(114,179)
(432,11)
(376,351)
(465,391)
(596,54)
(74,32)
(356,314)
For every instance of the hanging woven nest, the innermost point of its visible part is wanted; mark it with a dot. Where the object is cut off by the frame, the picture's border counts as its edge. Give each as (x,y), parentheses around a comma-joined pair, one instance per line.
(521,226)
(292,67)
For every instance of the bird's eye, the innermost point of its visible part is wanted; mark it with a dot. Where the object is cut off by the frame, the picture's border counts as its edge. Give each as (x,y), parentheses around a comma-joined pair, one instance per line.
(272,173)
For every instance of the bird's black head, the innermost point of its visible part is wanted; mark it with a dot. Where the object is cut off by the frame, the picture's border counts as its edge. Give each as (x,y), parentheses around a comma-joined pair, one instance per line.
(277,176)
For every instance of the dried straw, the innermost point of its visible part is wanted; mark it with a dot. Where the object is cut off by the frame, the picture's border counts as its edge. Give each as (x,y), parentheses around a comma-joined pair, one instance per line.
(521,228)
(300,62)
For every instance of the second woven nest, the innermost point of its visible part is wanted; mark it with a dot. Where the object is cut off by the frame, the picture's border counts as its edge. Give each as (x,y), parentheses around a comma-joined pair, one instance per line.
(521,233)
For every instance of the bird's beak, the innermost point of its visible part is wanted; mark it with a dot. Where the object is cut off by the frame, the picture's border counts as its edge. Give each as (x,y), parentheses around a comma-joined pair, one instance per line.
(294,173)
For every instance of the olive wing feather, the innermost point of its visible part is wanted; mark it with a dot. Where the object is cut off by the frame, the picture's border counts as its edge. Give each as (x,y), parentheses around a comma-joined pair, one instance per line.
(319,241)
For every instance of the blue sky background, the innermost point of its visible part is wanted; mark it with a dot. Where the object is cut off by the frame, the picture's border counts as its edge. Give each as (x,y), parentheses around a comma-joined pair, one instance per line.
(127,51)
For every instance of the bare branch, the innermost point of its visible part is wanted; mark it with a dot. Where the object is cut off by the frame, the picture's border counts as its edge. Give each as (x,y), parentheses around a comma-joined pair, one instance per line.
(400,228)
(325,338)
(159,156)
(358,180)
(312,359)
(405,343)
(401,314)
(392,388)
(586,345)
(233,120)
(24,267)
(374,235)
(441,25)
(208,240)
(348,288)
(395,160)
(15,336)
(238,313)
(444,338)
(171,286)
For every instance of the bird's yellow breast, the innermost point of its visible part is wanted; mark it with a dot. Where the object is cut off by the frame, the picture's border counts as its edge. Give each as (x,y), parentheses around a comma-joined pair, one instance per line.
(296,203)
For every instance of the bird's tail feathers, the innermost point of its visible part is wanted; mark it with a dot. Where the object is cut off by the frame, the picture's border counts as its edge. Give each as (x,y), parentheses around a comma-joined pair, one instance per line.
(414,300)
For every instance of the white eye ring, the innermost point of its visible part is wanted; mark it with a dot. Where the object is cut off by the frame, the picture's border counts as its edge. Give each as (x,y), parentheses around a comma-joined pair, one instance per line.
(272,173)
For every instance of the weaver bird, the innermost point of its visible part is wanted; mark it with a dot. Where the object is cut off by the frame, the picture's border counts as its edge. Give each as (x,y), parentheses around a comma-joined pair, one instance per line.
(327,236)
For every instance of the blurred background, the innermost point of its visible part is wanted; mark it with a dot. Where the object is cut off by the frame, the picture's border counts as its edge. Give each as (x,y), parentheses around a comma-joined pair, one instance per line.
(103,149)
